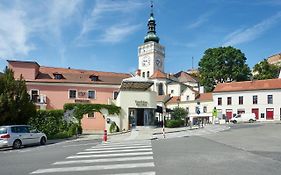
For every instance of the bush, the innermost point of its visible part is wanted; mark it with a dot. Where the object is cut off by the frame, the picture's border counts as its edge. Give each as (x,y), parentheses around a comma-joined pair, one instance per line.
(174,123)
(51,122)
(113,128)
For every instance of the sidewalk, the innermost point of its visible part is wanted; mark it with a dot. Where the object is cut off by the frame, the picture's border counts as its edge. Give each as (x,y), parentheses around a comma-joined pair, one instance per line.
(156,133)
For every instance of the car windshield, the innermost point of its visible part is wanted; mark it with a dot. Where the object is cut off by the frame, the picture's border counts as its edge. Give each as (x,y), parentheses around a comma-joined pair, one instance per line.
(3,130)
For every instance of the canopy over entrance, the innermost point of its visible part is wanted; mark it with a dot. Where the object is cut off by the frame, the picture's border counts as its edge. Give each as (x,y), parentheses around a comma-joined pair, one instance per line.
(136,83)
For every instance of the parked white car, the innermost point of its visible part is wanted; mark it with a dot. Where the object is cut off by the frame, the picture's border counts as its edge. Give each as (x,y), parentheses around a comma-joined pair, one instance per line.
(17,136)
(244,118)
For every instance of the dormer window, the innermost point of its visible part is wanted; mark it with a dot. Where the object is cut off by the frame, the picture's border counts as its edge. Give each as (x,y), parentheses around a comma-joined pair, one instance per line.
(94,77)
(58,76)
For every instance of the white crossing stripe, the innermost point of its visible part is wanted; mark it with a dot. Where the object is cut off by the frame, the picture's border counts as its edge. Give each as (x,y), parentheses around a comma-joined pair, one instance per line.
(110,155)
(115,151)
(96,167)
(143,173)
(117,148)
(103,160)
(121,145)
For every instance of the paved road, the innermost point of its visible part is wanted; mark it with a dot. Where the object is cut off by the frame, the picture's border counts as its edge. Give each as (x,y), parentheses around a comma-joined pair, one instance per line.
(26,160)
(243,149)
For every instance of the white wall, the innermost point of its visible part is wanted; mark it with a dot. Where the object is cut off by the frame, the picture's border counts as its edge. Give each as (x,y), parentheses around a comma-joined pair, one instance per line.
(248,102)
(176,88)
(126,100)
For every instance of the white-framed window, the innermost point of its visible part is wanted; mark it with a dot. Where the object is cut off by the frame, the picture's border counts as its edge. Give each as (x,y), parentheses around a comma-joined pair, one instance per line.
(172,91)
(34,95)
(269,99)
(187,97)
(91,94)
(115,94)
(72,93)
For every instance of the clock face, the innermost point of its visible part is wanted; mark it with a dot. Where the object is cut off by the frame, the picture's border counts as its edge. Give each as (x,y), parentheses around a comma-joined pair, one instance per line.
(158,62)
(146,61)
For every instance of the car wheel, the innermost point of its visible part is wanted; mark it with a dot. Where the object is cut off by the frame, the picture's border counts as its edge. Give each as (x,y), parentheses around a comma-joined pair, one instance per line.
(43,141)
(251,120)
(234,121)
(17,144)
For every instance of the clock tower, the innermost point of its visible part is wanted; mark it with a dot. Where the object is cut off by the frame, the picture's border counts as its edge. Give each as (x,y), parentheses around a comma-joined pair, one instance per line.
(151,54)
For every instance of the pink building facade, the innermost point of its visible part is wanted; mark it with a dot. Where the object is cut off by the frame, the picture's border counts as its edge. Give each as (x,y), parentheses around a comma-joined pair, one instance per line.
(51,88)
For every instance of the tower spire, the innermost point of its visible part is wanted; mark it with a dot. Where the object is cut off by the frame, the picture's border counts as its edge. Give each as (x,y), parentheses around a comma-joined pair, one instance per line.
(151,6)
(151,33)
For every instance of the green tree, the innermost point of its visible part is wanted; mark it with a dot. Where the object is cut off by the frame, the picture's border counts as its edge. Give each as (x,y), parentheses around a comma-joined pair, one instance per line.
(179,113)
(264,70)
(15,104)
(223,64)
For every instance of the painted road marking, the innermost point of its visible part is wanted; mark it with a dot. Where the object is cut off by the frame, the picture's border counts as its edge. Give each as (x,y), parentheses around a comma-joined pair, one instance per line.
(117,148)
(110,155)
(104,160)
(116,151)
(96,167)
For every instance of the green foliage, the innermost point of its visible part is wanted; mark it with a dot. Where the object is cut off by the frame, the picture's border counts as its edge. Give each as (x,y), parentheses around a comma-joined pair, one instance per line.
(179,113)
(223,64)
(264,70)
(174,123)
(15,104)
(81,109)
(52,124)
(113,128)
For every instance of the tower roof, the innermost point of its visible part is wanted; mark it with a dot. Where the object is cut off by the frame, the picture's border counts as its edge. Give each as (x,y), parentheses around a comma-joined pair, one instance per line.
(151,33)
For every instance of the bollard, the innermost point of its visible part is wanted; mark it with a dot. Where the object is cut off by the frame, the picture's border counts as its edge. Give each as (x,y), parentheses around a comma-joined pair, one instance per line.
(105,135)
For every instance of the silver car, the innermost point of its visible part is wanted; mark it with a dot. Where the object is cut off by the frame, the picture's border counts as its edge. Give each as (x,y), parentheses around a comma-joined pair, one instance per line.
(17,136)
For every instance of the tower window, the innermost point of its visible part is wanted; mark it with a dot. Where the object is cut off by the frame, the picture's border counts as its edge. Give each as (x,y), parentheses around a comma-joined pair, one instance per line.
(160,89)
(143,74)
(147,73)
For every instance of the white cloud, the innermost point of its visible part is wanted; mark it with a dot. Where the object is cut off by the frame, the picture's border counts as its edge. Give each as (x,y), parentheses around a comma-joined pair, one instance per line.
(116,33)
(249,34)
(200,21)
(21,22)
(13,34)
(106,10)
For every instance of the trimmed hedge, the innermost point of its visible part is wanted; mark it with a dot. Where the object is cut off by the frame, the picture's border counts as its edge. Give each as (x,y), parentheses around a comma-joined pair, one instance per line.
(52,124)
(174,123)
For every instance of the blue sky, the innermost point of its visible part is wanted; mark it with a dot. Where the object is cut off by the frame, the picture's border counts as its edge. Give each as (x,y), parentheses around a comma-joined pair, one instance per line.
(104,34)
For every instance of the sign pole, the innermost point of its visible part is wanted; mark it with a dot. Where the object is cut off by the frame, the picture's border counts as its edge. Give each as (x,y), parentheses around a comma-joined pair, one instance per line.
(164,115)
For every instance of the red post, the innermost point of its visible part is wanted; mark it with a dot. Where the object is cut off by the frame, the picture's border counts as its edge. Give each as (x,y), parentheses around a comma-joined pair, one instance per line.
(105,135)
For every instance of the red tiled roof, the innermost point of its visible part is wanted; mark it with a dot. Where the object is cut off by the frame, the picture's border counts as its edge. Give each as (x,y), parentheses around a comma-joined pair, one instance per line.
(158,74)
(274,58)
(185,77)
(249,85)
(205,97)
(174,99)
(46,74)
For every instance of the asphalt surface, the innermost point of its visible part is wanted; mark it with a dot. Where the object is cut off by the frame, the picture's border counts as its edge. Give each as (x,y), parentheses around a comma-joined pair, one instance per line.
(28,159)
(243,149)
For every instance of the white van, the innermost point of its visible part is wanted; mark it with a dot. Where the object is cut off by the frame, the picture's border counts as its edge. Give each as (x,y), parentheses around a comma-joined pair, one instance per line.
(244,118)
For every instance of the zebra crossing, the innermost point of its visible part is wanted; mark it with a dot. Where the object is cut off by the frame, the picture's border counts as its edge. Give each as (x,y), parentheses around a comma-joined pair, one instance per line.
(113,158)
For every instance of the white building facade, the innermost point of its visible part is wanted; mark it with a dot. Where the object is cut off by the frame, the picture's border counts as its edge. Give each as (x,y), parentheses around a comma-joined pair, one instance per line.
(262,97)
